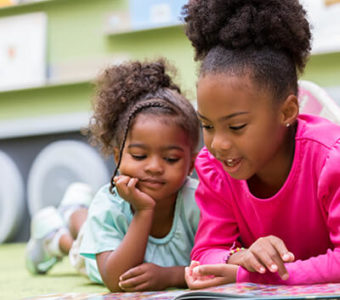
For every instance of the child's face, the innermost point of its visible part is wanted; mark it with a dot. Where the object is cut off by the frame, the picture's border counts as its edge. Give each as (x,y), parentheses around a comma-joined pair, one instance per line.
(241,126)
(158,154)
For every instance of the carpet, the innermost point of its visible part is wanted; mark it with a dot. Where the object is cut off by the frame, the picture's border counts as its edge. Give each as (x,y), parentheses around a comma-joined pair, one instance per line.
(17,283)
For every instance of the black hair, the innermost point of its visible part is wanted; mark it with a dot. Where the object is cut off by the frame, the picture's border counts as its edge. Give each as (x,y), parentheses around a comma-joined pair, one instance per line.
(269,40)
(124,91)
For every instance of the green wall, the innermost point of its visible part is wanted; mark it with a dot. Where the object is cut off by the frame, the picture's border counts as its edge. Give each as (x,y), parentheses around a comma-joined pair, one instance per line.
(76,32)
(324,69)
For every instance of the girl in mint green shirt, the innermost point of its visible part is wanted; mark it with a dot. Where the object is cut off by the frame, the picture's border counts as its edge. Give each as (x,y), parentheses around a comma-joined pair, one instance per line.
(140,228)
(138,232)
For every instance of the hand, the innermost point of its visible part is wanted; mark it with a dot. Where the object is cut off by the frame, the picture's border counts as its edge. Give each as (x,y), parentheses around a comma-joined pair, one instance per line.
(144,277)
(202,276)
(126,187)
(265,253)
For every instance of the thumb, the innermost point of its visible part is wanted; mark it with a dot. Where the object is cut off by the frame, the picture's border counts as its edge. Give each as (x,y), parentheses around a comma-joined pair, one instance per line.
(217,270)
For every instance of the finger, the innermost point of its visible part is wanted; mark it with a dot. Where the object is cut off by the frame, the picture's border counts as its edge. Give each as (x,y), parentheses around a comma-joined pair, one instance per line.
(281,248)
(122,178)
(122,181)
(288,257)
(133,272)
(281,268)
(273,261)
(138,288)
(282,254)
(265,252)
(225,271)
(132,183)
(194,264)
(188,276)
(252,264)
(205,283)
(132,282)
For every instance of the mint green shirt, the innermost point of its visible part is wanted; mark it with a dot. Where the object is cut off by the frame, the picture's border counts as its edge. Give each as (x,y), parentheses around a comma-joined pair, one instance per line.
(109,219)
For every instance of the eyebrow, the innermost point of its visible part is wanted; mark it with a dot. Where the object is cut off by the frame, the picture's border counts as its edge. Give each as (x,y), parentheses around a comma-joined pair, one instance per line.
(170,147)
(224,117)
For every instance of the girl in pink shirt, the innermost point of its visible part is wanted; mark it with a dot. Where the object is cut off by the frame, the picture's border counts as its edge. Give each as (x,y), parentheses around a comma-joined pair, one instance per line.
(269,190)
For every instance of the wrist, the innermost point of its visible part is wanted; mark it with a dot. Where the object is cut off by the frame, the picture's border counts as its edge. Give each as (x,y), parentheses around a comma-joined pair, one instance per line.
(174,277)
(144,212)
(232,253)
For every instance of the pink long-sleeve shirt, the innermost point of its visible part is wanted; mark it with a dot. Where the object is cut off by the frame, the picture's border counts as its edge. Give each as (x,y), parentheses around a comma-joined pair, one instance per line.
(304,213)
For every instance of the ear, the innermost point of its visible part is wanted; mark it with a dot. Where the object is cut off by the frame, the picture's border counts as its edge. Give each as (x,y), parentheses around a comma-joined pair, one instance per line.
(192,163)
(116,154)
(289,111)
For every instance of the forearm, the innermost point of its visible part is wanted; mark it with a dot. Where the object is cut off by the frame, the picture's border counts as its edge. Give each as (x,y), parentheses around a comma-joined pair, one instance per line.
(130,252)
(209,256)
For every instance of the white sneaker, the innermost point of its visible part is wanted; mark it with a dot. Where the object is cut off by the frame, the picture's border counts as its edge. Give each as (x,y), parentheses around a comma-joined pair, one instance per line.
(77,195)
(44,224)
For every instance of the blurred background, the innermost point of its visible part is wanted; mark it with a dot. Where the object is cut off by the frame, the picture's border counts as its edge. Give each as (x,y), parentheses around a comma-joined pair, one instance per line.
(50,54)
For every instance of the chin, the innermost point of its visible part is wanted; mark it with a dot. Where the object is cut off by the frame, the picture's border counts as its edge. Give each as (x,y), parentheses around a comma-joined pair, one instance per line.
(239,175)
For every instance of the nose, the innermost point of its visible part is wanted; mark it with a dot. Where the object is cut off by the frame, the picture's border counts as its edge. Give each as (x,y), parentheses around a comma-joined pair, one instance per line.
(220,143)
(154,165)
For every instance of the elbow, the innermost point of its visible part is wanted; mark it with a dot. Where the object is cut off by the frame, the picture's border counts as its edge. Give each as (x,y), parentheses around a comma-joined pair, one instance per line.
(112,285)
(114,288)
(111,282)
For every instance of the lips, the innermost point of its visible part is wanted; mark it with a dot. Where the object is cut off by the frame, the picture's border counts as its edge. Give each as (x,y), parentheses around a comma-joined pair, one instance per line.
(231,165)
(152,183)
(232,162)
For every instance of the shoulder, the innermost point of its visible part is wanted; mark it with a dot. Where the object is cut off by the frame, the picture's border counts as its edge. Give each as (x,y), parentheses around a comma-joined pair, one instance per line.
(330,173)
(321,148)
(190,185)
(318,141)
(318,131)
(188,211)
(187,195)
(210,171)
(107,204)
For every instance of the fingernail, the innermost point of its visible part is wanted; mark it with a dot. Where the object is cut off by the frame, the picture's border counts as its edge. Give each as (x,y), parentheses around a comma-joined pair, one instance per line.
(273,268)
(285,276)
(262,270)
(286,256)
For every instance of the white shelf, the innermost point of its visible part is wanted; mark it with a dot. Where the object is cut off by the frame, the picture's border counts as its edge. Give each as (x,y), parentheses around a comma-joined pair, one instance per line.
(23,127)
(49,84)
(112,31)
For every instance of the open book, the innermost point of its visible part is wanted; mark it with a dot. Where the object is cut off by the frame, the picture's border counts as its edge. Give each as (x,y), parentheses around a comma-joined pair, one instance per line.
(265,291)
(234,291)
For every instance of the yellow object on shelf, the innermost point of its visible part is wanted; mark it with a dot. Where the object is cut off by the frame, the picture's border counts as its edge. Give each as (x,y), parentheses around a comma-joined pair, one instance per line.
(331,2)
(6,3)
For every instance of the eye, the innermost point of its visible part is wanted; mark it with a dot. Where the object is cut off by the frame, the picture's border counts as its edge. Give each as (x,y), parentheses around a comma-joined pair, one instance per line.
(235,128)
(171,160)
(207,127)
(138,157)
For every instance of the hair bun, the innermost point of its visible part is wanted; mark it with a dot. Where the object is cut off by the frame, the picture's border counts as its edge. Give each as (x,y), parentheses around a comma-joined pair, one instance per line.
(237,24)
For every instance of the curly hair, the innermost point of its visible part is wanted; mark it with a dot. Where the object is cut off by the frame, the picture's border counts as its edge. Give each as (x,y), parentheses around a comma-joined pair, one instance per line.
(123,91)
(275,32)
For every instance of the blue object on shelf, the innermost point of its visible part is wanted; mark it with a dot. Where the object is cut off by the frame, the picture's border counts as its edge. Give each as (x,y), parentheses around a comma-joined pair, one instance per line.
(155,13)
